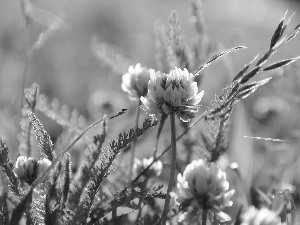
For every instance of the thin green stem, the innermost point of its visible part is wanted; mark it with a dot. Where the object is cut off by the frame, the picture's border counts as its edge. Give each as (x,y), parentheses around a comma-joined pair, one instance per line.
(204,217)
(173,165)
(28,210)
(161,125)
(166,150)
(155,148)
(132,150)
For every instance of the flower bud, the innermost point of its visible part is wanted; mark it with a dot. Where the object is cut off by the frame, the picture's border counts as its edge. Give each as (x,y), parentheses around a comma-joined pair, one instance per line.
(28,169)
(135,82)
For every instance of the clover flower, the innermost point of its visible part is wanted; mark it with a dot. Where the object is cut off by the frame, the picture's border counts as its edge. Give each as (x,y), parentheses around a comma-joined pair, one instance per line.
(173,92)
(154,171)
(202,186)
(262,216)
(28,168)
(135,82)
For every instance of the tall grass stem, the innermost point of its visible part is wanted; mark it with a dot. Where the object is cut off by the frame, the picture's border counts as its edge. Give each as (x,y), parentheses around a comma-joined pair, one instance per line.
(173,165)
(204,217)
(133,144)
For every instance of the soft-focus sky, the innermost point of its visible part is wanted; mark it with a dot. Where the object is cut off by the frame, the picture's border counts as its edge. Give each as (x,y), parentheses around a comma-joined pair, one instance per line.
(67,69)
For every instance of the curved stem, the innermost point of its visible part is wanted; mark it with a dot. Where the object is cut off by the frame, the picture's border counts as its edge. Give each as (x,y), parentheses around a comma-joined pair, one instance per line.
(132,150)
(173,165)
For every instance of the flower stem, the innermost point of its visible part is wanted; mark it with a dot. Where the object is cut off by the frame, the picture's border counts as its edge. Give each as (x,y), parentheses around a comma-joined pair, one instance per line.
(132,150)
(204,217)
(167,149)
(173,165)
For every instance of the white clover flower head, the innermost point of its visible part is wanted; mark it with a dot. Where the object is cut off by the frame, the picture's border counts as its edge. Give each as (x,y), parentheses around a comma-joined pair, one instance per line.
(154,171)
(28,168)
(173,92)
(262,216)
(135,81)
(203,186)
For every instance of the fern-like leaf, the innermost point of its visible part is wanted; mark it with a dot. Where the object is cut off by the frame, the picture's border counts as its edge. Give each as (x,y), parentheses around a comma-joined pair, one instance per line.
(61,114)
(124,202)
(7,167)
(99,174)
(215,137)
(86,170)
(4,219)
(109,56)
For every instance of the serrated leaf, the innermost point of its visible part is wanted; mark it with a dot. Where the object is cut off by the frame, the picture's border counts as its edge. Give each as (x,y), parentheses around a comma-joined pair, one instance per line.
(4,218)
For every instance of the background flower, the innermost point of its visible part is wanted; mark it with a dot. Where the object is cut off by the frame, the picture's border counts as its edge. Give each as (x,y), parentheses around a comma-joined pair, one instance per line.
(203,186)
(173,92)
(135,82)
(261,216)
(154,170)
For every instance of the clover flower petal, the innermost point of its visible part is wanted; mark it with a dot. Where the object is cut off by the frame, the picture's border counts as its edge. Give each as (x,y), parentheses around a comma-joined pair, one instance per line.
(135,81)
(262,216)
(154,171)
(202,186)
(174,92)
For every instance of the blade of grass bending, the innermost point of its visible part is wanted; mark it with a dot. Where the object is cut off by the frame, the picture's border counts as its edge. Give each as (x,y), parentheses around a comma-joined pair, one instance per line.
(167,149)
(197,71)
(111,116)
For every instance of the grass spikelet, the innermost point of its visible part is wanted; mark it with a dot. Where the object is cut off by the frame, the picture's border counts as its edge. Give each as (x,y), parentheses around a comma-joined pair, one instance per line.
(161,48)
(178,53)
(215,57)
(44,141)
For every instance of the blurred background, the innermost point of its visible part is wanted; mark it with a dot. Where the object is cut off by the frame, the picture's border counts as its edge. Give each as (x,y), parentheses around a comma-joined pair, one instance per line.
(67,65)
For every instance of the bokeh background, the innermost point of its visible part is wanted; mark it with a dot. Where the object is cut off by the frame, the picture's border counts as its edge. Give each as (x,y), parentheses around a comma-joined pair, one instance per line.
(66,67)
